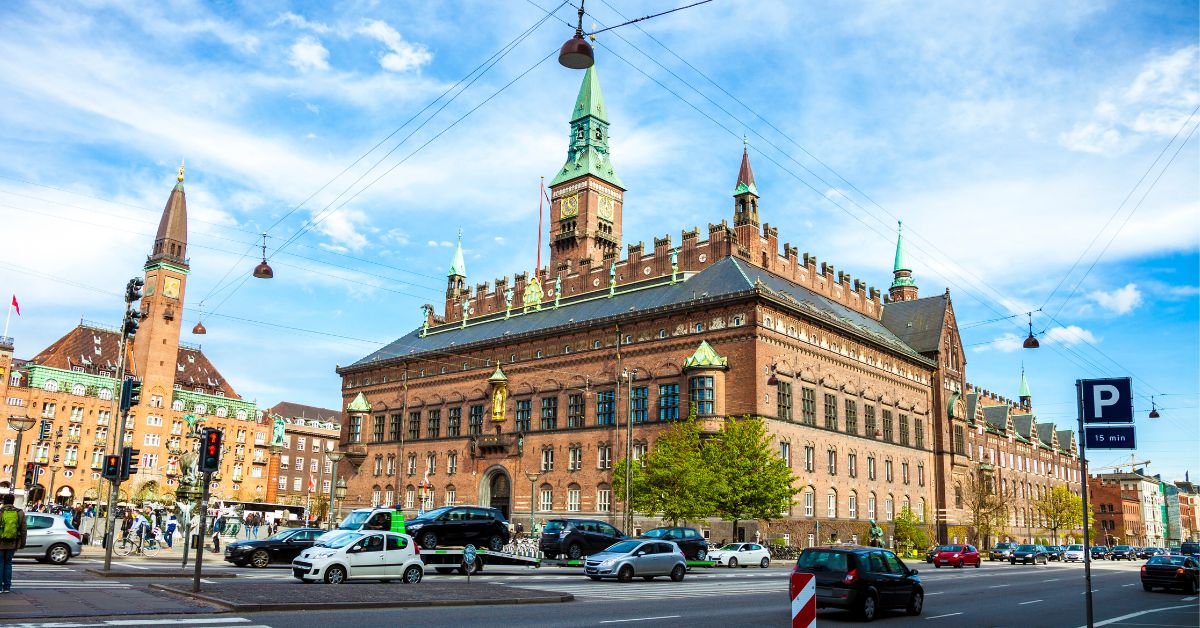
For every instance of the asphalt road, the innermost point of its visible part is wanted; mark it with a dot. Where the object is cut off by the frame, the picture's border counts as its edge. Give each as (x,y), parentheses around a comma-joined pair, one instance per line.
(997,594)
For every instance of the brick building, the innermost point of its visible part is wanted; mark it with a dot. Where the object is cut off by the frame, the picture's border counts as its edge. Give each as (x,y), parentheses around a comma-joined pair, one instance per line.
(524,393)
(1148,492)
(301,474)
(1117,509)
(72,384)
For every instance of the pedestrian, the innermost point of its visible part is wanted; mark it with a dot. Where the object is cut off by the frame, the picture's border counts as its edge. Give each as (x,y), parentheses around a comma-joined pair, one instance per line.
(12,538)
(216,534)
(171,525)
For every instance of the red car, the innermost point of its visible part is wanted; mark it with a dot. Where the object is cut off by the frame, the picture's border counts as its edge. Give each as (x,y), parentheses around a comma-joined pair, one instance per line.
(956,555)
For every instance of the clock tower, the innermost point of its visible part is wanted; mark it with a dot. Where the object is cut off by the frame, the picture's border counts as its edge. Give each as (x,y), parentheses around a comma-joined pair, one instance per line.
(156,345)
(586,194)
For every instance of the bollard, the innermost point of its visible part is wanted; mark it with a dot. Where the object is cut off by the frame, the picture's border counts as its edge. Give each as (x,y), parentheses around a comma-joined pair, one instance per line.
(803,588)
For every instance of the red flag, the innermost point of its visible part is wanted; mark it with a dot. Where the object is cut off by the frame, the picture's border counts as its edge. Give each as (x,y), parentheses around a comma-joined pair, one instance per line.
(16,305)
(312,483)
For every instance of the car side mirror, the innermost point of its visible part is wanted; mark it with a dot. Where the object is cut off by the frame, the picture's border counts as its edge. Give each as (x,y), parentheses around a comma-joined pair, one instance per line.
(912,572)
(639,553)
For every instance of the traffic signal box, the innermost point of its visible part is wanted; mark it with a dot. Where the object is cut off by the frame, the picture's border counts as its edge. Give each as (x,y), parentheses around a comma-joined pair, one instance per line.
(131,394)
(210,451)
(31,473)
(112,467)
(129,462)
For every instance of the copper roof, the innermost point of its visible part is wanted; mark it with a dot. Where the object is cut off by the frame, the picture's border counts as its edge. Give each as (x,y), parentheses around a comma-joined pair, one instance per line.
(290,410)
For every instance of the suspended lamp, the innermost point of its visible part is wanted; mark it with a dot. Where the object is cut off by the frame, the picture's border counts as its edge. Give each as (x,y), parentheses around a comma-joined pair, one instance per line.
(263,270)
(577,53)
(199,329)
(1153,409)
(1031,342)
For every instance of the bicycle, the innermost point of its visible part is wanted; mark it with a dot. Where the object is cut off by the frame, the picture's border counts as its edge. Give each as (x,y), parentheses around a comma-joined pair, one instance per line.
(148,546)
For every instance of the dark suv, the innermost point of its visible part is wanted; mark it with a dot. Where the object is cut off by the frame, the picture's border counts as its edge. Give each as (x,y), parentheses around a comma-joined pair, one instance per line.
(1122,552)
(577,538)
(861,579)
(688,539)
(460,525)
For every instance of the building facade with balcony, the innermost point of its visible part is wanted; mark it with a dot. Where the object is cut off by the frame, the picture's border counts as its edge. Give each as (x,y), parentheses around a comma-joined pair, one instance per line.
(301,474)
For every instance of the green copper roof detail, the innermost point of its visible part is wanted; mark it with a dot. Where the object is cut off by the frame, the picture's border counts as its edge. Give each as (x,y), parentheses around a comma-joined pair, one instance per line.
(745,182)
(1024,392)
(359,404)
(901,258)
(498,375)
(705,356)
(587,152)
(458,267)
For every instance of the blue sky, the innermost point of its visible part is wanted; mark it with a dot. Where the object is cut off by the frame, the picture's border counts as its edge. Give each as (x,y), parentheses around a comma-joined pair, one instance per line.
(1005,135)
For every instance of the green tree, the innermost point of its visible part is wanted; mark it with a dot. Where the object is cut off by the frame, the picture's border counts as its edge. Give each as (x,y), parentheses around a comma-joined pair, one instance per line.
(751,480)
(1061,509)
(985,509)
(672,480)
(908,531)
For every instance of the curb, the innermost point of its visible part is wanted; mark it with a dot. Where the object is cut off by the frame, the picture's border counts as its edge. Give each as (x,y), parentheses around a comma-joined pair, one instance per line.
(320,606)
(156,574)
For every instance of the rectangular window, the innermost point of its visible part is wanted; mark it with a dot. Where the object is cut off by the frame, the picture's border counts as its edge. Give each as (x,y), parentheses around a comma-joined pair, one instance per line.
(299,463)
(785,453)
(391,465)
(355,428)
(887,470)
(475,420)
(852,465)
(887,426)
(452,463)
(871,506)
(783,400)
(431,463)
(920,474)
(960,440)
(575,462)
(904,429)
(575,411)
(433,427)
(604,500)
(808,406)
(604,407)
(700,393)
(808,503)
(919,434)
(377,432)
(454,422)
(412,464)
(295,484)
(639,453)
(394,427)
(549,413)
(869,421)
(831,417)
(831,456)
(547,500)
(301,443)
(524,415)
(809,463)
(414,425)
(573,499)
(870,467)
(851,417)
(604,456)
(904,472)
(668,402)
(548,459)
(853,506)
(639,403)
(831,506)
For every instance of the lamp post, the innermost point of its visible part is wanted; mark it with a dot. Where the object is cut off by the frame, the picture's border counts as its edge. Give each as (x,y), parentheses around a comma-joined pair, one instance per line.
(339,491)
(335,456)
(532,476)
(629,377)
(21,424)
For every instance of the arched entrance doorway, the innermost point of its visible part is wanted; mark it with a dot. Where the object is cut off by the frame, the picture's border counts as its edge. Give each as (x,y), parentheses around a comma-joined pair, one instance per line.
(36,495)
(65,496)
(496,490)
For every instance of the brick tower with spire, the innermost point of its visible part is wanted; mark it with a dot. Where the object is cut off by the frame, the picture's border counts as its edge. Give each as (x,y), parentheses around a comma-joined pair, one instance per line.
(903,287)
(586,195)
(745,195)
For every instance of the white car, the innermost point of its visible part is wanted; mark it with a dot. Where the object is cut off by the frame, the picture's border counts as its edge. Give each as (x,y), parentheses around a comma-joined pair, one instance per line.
(741,554)
(1073,553)
(361,556)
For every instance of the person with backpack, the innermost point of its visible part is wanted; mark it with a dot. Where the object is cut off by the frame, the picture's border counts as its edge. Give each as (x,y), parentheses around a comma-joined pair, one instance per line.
(12,538)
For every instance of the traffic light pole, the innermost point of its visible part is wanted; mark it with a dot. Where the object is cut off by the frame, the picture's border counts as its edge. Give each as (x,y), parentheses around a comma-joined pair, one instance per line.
(200,532)
(118,438)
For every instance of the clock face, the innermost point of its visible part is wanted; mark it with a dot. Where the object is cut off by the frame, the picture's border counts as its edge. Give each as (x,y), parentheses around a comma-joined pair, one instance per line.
(569,207)
(171,288)
(604,209)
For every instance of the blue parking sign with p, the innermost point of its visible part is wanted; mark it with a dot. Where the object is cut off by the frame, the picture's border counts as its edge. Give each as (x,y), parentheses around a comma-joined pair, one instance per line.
(1107,400)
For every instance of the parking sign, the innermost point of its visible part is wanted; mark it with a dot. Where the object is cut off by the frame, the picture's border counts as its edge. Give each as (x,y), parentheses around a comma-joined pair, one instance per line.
(1107,400)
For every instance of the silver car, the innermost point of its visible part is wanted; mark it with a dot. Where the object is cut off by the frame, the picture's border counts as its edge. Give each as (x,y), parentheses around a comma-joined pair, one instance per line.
(635,557)
(1073,553)
(50,539)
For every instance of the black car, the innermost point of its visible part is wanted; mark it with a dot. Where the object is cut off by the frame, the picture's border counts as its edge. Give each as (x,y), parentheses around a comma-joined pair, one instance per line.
(576,538)
(1150,552)
(1029,554)
(1056,552)
(688,539)
(1170,572)
(1189,548)
(1122,552)
(282,547)
(459,525)
(931,553)
(1099,552)
(864,580)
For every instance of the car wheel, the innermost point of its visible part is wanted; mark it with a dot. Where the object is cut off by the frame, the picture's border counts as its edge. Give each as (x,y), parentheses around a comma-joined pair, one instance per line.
(58,554)
(496,543)
(575,551)
(977,563)
(677,573)
(1190,588)
(260,559)
(765,562)
(732,562)
(867,608)
(701,554)
(428,540)
(960,564)
(413,574)
(596,578)
(915,603)
(1146,587)
(625,574)
(335,574)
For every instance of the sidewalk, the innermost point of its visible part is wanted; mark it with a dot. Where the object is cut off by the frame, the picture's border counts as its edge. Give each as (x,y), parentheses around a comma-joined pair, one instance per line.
(38,599)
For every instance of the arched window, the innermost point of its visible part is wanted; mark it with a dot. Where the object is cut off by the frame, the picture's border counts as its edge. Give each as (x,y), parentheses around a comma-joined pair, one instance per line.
(852,505)
(79,390)
(596,344)
(573,498)
(177,405)
(958,495)
(51,385)
(241,415)
(546,498)
(105,394)
(410,496)
(375,495)
(871,506)
(451,497)
(662,333)
(222,411)
(809,496)
(389,496)
(604,497)
(831,504)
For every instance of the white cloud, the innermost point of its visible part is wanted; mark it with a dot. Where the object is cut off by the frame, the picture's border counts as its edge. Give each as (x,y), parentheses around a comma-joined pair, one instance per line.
(1069,335)
(1007,343)
(404,56)
(308,54)
(1092,137)
(299,21)
(1119,301)
(345,228)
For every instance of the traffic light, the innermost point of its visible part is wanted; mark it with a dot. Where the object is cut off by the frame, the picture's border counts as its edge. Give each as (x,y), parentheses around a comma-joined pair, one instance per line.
(210,450)
(132,320)
(133,289)
(44,429)
(112,467)
(31,473)
(129,462)
(131,394)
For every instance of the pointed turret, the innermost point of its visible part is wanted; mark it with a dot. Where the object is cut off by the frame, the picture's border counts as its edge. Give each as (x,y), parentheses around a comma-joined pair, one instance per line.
(1023,394)
(745,194)
(170,243)
(588,151)
(456,279)
(903,287)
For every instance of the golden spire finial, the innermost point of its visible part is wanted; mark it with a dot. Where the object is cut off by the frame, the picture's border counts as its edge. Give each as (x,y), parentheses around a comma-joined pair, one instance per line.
(593,35)
(180,177)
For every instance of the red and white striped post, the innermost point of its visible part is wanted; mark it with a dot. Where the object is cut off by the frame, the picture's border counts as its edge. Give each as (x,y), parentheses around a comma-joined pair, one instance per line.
(804,600)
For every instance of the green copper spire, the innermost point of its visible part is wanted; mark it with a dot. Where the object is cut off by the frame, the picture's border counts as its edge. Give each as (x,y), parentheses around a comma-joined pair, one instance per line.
(1024,392)
(359,404)
(588,151)
(458,267)
(901,270)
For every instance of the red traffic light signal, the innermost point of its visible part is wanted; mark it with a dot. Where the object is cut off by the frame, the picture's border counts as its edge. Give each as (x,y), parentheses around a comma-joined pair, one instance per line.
(112,467)
(31,473)
(210,451)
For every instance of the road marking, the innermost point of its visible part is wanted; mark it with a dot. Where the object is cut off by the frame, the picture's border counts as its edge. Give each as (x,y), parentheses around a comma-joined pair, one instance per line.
(997,586)
(1137,614)
(145,622)
(1131,584)
(617,621)
(1029,602)
(132,566)
(1188,599)
(934,593)
(1052,580)
(941,616)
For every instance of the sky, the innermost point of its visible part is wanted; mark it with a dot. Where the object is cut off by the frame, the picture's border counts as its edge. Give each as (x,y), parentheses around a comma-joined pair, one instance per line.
(1043,157)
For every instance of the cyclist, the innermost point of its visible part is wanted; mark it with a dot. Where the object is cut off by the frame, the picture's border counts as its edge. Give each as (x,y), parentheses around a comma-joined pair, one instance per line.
(140,528)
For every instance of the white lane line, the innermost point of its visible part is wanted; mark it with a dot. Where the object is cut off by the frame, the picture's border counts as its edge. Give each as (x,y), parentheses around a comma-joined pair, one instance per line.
(934,593)
(1052,580)
(1029,602)
(617,621)
(946,615)
(997,586)
(1137,614)
(139,622)
(1188,599)
(132,566)
(1131,584)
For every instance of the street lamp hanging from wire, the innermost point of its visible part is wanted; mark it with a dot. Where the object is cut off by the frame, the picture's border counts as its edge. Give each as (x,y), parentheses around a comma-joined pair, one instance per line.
(263,270)
(1031,342)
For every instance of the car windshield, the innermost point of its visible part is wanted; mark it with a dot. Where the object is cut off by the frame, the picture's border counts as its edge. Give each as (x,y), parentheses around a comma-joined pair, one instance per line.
(281,535)
(1167,560)
(822,560)
(341,540)
(354,520)
(950,548)
(1074,548)
(1027,548)
(656,533)
(1121,547)
(624,547)
(1004,546)
(733,547)
(552,527)
(433,514)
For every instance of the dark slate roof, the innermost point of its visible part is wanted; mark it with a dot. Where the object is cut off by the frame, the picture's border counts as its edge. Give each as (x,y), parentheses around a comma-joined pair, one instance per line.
(972,399)
(1064,439)
(996,416)
(726,277)
(1023,423)
(300,411)
(918,322)
(1046,433)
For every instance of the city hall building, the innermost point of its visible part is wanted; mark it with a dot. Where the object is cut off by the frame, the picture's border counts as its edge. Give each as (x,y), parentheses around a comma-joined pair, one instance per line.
(524,394)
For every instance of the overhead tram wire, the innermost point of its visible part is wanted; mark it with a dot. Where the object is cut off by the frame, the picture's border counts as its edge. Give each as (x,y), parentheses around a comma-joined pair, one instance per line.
(477,72)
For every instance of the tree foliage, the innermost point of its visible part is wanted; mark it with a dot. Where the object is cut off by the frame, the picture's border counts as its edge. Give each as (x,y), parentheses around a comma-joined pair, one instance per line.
(1061,509)
(672,480)
(752,480)
(909,532)
(985,509)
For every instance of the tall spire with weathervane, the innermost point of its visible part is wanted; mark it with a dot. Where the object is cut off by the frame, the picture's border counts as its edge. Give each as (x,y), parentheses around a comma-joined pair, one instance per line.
(903,287)
(1023,394)
(745,193)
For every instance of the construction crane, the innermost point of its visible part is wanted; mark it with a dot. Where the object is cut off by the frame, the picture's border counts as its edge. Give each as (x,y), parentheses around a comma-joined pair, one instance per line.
(1132,464)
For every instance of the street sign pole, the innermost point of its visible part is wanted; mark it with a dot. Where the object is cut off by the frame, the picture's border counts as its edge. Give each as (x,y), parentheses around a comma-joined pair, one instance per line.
(200,533)
(1083,481)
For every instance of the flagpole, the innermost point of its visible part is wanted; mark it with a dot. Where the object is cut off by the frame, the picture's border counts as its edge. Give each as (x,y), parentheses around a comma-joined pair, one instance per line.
(8,318)
(537,270)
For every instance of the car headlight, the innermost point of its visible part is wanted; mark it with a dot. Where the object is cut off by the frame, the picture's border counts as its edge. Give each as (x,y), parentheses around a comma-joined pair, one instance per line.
(954,556)
(608,563)
(321,554)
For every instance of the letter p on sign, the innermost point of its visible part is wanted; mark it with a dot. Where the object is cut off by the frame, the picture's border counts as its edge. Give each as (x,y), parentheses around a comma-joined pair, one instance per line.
(1107,400)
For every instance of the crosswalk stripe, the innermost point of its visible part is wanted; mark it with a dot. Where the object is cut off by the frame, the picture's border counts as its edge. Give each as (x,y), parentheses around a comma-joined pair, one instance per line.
(210,622)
